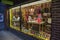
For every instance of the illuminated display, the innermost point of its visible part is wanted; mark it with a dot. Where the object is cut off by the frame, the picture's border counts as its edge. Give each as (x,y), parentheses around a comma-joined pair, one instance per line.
(15,18)
(37,19)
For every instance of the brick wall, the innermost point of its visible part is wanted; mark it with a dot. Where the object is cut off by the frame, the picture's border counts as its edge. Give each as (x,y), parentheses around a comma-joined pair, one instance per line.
(55,10)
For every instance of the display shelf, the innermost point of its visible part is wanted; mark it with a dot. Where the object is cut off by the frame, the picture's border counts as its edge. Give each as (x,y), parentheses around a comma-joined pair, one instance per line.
(35,22)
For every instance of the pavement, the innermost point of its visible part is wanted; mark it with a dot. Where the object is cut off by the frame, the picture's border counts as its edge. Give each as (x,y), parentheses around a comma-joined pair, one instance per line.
(5,35)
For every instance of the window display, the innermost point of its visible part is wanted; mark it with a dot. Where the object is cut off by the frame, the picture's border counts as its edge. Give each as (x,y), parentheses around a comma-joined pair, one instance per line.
(37,20)
(15,18)
(33,19)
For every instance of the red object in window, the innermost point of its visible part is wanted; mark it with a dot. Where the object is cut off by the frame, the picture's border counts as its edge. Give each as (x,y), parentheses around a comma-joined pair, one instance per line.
(39,18)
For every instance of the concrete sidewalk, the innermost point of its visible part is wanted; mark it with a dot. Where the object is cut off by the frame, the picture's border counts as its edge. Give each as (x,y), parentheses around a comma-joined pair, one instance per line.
(5,35)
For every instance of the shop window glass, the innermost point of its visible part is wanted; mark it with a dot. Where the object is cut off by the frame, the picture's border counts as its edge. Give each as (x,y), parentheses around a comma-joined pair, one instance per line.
(15,18)
(37,20)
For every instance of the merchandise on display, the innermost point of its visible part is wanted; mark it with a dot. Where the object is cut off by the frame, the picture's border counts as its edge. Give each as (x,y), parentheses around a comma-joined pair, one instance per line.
(35,18)
(15,18)
(39,17)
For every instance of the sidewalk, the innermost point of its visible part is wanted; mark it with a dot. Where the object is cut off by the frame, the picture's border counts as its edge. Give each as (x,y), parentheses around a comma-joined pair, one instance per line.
(5,35)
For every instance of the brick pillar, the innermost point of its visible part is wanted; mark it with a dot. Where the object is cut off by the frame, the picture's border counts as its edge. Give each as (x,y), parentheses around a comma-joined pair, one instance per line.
(55,10)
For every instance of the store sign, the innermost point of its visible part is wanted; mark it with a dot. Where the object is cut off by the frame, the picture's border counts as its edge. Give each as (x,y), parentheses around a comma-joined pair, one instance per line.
(7,2)
(1,17)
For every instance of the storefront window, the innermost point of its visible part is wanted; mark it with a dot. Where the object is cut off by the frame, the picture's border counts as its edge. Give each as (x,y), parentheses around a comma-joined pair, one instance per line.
(37,20)
(15,18)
